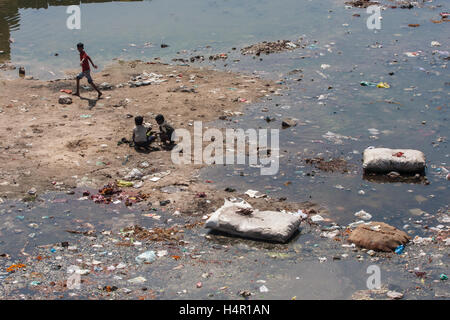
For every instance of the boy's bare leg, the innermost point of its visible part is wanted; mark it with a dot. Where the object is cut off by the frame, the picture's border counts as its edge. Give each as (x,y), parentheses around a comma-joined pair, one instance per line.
(98,91)
(78,88)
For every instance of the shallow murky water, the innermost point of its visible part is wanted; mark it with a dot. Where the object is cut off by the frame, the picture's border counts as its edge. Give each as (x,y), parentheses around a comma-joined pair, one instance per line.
(324,100)
(341,52)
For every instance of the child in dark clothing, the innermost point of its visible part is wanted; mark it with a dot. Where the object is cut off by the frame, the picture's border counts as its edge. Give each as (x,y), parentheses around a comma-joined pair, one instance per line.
(165,130)
(142,137)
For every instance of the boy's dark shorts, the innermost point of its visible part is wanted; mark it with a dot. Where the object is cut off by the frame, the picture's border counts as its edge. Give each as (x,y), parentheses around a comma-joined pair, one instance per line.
(86,74)
(145,144)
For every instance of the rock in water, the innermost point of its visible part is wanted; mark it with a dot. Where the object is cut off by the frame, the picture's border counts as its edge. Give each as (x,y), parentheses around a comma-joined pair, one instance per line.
(399,160)
(394,295)
(288,122)
(262,225)
(378,236)
(65,99)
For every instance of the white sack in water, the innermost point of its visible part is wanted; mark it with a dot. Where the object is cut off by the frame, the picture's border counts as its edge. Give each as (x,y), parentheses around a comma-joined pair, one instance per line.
(263,225)
(400,160)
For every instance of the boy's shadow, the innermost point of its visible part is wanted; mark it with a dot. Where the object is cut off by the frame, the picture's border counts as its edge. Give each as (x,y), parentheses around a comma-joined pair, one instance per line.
(146,150)
(153,149)
(92,102)
(168,147)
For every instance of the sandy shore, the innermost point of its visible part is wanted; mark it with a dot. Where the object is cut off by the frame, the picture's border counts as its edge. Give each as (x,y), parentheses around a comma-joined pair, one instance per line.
(55,147)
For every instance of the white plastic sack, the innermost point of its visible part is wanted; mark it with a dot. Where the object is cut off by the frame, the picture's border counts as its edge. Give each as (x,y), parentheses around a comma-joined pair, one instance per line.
(263,225)
(400,160)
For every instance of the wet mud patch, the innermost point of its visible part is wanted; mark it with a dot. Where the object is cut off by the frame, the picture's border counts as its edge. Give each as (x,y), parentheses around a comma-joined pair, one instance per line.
(395,177)
(333,165)
(361,3)
(77,145)
(174,188)
(270,47)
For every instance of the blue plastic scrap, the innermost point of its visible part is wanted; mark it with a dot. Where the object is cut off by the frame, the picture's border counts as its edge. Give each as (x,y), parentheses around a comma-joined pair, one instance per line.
(399,249)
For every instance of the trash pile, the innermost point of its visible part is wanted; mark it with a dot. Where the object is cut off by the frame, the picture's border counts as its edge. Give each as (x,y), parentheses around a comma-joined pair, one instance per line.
(270,47)
(112,193)
(146,79)
(219,56)
(361,3)
(172,234)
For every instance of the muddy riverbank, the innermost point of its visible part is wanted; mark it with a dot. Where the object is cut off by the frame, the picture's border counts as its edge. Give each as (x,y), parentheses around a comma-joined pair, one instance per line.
(332,94)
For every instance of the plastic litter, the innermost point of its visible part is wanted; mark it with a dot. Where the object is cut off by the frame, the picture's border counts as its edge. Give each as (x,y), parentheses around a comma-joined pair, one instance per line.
(399,249)
(146,257)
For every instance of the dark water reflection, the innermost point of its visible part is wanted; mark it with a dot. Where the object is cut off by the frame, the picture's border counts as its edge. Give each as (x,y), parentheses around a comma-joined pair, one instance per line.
(10,17)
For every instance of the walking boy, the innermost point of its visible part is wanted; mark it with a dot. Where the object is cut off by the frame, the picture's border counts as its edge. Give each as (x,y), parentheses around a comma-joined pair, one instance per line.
(85,70)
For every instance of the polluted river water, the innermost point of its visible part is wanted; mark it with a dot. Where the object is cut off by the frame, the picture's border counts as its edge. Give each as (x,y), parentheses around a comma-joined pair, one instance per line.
(336,116)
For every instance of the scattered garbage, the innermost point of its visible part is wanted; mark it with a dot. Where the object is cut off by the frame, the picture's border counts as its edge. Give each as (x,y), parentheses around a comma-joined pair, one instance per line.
(221,56)
(384,85)
(363,215)
(399,249)
(134,174)
(270,47)
(394,295)
(64,100)
(375,84)
(263,289)
(112,193)
(361,3)
(230,220)
(317,218)
(288,122)
(146,79)
(146,257)
(337,138)
(123,183)
(105,86)
(137,280)
(435,44)
(255,194)
(413,54)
